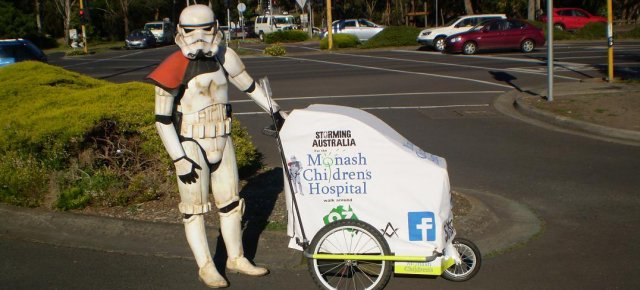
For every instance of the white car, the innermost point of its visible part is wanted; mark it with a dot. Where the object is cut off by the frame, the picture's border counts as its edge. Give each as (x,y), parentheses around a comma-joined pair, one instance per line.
(266,24)
(363,29)
(434,37)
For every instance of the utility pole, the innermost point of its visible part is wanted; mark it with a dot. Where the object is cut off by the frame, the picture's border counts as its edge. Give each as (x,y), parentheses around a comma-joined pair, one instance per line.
(82,21)
(610,39)
(549,50)
(329,25)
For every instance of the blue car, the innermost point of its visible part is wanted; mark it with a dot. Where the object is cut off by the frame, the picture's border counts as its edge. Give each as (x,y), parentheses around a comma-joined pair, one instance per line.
(16,50)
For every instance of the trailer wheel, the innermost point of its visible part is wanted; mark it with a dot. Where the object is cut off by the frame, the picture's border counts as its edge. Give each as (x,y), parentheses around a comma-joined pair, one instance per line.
(471,261)
(344,237)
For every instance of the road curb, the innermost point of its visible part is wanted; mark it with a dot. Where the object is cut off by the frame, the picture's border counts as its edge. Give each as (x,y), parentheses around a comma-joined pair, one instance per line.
(504,223)
(615,133)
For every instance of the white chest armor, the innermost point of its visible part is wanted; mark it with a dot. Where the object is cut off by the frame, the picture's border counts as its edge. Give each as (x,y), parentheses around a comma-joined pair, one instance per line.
(204,107)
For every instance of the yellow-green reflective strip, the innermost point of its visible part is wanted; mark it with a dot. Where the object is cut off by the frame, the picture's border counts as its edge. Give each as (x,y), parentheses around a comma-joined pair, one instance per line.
(369,257)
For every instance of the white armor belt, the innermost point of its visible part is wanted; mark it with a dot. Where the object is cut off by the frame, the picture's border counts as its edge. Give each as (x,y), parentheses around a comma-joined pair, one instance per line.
(209,122)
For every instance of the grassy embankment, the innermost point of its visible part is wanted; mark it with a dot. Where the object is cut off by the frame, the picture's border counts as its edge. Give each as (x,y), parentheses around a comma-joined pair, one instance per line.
(69,141)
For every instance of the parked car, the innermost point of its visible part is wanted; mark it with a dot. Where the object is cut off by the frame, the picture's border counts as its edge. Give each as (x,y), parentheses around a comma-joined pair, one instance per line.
(572,18)
(265,24)
(16,50)
(140,38)
(434,37)
(164,31)
(363,29)
(496,34)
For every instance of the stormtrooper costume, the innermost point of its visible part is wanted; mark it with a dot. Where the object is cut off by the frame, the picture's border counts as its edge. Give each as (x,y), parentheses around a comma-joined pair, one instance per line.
(193,119)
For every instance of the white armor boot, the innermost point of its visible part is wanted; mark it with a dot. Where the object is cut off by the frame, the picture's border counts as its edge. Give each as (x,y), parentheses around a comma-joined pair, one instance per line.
(232,235)
(197,238)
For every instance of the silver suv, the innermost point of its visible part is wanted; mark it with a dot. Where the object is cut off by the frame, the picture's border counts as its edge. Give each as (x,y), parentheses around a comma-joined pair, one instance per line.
(434,37)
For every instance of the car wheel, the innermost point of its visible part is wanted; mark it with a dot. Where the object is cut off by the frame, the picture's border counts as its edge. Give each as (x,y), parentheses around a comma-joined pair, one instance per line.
(527,46)
(469,47)
(558,26)
(438,43)
(261,36)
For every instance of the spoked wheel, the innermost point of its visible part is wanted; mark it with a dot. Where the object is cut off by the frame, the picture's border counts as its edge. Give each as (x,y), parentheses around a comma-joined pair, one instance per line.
(471,261)
(527,46)
(349,237)
(439,43)
(469,47)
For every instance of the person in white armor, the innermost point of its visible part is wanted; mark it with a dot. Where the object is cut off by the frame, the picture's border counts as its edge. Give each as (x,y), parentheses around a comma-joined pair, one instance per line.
(193,119)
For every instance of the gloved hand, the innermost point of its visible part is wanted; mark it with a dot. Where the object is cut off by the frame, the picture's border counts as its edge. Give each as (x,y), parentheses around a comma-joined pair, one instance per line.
(270,130)
(186,169)
(279,116)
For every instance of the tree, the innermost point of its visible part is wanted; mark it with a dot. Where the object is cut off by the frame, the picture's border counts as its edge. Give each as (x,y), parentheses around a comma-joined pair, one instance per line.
(468,7)
(64,9)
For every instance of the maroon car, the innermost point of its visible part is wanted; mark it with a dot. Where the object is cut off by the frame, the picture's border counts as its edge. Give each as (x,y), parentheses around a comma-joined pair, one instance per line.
(496,34)
(572,18)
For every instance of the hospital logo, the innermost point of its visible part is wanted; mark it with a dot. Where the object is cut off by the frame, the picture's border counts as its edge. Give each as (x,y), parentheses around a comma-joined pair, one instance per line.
(339,213)
(422,226)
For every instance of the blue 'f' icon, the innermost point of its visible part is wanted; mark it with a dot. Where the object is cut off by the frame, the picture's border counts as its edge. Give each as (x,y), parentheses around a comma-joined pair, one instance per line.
(422,226)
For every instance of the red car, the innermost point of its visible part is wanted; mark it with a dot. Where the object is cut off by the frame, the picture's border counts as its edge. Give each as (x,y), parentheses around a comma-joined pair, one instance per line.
(572,18)
(497,34)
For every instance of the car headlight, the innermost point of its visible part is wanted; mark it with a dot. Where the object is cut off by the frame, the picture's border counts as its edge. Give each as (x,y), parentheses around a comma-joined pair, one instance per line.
(456,39)
(425,33)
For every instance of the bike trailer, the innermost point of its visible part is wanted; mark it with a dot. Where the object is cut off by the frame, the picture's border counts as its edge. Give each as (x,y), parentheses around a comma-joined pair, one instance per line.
(345,163)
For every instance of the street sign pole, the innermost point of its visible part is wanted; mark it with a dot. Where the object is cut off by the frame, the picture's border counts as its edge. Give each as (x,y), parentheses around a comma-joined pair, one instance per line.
(549,50)
(610,40)
(329,25)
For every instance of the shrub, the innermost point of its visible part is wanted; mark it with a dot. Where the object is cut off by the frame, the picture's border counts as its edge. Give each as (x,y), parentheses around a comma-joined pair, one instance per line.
(340,40)
(72,198)
(286,36)
(631,34)
(23,180)
(93,140)
(393,36)
(275,50)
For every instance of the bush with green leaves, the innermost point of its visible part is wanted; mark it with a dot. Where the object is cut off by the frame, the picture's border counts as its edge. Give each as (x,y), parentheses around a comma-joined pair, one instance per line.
(393,36)
(88,140)
(275,50)
(286,36)
(340,40)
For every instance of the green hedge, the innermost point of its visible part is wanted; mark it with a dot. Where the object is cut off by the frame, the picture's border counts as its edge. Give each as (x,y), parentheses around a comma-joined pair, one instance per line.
(286,36)
(393,36)
(85,140)
(340,40)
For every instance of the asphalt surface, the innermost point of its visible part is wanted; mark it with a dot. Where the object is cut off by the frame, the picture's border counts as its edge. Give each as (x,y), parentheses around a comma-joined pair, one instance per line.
(582,190)
(495,223)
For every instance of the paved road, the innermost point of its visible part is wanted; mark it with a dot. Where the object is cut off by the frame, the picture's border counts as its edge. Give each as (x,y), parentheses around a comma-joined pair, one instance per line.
(584,190)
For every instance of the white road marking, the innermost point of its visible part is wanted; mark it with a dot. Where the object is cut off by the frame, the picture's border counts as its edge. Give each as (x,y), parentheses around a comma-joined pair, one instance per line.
(401,71)
(389,108)
(102,59)
(373,95)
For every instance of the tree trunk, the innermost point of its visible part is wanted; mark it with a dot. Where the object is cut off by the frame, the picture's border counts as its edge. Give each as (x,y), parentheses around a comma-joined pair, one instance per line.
(531,10)
(67,20)
(124,4)
(38,18)
(468,7)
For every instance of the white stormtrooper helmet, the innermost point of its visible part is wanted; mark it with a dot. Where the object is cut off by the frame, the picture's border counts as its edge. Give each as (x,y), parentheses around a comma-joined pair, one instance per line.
(198,32)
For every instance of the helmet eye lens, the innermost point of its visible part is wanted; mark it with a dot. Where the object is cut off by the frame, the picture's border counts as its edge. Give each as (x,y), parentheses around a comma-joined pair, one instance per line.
(188,30)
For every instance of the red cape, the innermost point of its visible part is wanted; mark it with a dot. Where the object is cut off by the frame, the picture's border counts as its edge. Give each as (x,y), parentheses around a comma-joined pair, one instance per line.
(169,74)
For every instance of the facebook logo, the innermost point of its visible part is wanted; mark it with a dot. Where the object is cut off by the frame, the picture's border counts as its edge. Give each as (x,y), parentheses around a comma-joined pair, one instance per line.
(422,226)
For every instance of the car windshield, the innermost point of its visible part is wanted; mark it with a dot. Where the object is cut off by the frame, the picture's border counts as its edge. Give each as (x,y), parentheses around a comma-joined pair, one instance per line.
(452,21)
(153,26)
(17,51)
(283,20)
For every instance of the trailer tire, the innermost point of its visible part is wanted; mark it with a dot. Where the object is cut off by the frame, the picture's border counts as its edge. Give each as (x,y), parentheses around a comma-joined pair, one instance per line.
(358,274)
